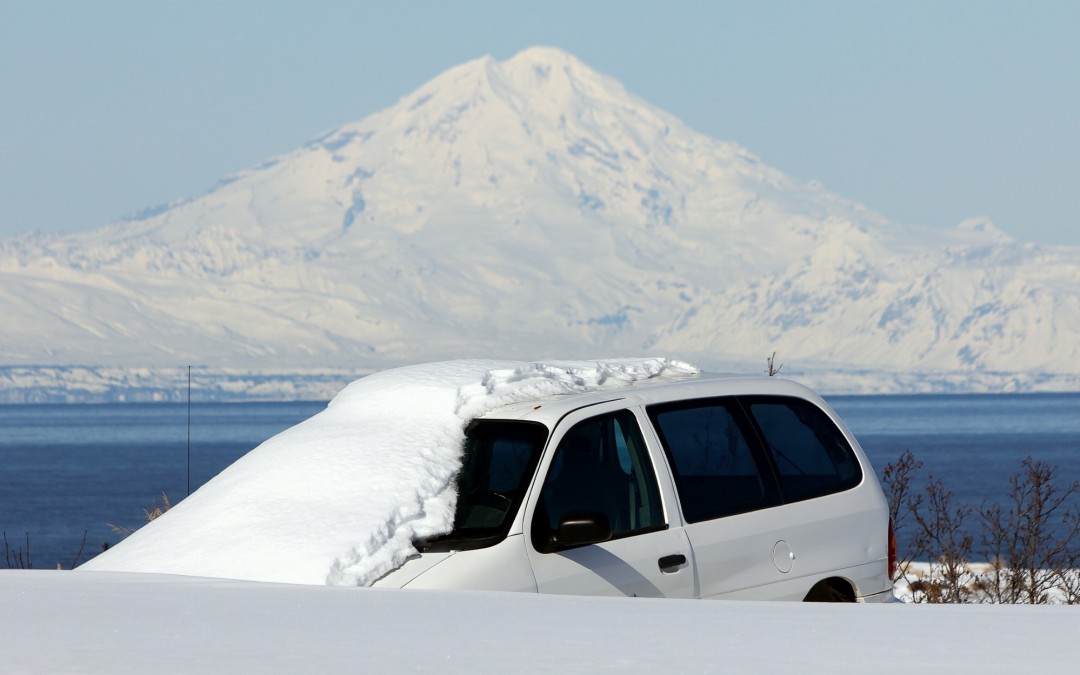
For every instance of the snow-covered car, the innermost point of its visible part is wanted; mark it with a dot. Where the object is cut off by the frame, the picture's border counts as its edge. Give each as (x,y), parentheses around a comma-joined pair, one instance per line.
(707,487)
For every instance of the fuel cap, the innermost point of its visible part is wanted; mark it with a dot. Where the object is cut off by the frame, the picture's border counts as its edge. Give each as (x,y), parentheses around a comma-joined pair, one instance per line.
(782,556)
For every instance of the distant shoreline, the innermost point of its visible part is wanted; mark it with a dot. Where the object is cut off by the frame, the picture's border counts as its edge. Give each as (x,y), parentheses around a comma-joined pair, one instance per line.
(116,384)
(109,384)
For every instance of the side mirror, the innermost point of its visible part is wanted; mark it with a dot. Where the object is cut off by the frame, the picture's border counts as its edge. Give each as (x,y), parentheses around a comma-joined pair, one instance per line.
(581,528)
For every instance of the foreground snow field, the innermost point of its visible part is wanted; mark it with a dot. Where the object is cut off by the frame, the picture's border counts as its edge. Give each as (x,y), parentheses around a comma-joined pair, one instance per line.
(112,622)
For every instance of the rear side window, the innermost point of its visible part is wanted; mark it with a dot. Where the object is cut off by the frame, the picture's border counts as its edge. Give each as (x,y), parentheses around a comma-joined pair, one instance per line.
(811,455)
(716,470)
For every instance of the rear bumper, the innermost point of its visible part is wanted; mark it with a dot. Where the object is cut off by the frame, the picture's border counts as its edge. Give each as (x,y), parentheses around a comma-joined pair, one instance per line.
(884,596)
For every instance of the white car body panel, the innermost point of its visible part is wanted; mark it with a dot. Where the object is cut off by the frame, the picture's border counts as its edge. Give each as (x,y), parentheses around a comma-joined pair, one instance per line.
(775,553)
(627,567)
(502,567)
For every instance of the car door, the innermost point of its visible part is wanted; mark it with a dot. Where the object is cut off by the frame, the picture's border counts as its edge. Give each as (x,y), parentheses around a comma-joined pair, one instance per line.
(727,494)
(600,471)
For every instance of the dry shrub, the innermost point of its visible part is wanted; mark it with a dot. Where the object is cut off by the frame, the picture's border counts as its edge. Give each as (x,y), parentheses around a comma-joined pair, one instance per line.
(151,513)
(1031,542)
(1031,559)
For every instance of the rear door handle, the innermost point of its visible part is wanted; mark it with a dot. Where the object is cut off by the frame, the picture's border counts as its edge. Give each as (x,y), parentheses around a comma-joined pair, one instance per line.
(670,563)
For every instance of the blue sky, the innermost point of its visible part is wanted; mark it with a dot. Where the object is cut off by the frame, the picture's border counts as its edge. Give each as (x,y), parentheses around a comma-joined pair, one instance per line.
(929,112)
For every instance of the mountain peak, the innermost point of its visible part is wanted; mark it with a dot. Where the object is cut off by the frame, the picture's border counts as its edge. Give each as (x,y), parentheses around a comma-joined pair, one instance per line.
(544,54)
(538,81)
(539,63)
(550,73)
(983,229)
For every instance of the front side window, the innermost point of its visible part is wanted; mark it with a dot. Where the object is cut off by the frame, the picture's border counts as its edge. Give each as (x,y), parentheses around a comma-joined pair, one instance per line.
(498,462)
(716,471)
(600,467)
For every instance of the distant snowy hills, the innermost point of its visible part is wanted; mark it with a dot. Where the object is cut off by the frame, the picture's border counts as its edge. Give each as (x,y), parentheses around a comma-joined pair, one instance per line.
(525,209)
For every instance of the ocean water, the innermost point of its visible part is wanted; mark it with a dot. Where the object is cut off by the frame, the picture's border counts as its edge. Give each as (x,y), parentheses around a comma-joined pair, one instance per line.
(972,443)
(66,470)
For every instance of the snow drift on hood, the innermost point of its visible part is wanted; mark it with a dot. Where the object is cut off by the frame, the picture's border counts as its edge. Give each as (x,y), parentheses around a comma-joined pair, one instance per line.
(339,498)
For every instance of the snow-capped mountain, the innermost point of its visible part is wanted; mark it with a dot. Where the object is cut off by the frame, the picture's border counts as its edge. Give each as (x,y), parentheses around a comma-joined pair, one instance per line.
(533,208)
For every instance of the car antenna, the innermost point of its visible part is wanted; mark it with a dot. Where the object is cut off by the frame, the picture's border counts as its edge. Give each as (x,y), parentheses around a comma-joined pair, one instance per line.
(189,431)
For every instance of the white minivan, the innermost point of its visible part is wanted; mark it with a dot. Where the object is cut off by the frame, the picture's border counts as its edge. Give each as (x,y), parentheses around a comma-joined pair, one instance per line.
(713,486)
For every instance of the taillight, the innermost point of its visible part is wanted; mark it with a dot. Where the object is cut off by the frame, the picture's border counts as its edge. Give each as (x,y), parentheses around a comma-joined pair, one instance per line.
(892,551)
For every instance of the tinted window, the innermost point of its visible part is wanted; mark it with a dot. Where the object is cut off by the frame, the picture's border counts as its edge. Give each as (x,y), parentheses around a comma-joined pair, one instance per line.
(600,467)
(498,463)
(717,473)
(811,455)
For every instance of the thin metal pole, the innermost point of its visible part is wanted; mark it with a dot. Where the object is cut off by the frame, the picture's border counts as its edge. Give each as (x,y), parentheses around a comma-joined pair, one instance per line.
(189,430)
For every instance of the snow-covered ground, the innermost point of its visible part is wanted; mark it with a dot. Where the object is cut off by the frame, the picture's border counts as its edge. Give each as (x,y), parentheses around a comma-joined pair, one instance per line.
(104,622)
(339,498)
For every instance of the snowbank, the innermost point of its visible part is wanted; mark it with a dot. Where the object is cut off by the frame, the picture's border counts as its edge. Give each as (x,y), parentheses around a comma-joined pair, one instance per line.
(339,498)
(117,623)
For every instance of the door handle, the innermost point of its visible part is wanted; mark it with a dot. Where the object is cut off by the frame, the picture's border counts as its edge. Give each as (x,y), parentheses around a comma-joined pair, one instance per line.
(670,563)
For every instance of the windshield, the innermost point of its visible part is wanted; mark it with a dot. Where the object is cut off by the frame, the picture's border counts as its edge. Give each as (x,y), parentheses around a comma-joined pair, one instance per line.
(499,460)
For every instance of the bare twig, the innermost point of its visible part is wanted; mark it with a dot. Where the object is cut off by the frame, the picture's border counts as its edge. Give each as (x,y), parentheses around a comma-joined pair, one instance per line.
(896,479)
(81,546)
(772,369)
(17,558)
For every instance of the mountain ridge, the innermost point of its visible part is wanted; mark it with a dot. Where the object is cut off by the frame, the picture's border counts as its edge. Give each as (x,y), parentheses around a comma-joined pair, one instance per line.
(533,208)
